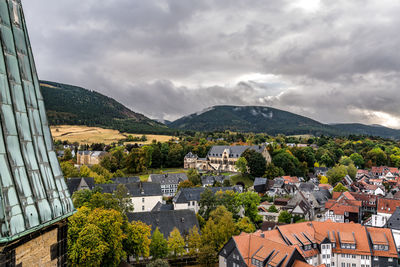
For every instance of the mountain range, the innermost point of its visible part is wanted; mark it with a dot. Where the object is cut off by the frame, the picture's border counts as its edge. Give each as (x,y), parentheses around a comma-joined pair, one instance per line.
(273,121)
(73,105)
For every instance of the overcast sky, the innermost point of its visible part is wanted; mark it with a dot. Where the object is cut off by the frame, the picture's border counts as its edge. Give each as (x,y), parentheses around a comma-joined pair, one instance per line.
(333,61)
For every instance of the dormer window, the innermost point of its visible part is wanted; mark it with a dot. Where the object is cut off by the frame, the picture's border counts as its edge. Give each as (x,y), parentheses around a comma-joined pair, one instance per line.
(381,247)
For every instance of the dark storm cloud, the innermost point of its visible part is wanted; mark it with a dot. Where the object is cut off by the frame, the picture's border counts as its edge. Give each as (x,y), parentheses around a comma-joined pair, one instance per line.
(331,60)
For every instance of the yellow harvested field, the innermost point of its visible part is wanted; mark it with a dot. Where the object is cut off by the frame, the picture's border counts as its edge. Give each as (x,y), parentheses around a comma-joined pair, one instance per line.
(90,135)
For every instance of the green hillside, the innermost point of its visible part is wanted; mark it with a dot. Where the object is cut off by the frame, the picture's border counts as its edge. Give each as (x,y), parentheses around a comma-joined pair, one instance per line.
(271,121)
(72,105)
(373,130)
(252,119)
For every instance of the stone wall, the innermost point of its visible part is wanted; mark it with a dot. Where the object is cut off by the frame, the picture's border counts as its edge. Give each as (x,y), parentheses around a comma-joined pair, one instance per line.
(44,248)
(37,252)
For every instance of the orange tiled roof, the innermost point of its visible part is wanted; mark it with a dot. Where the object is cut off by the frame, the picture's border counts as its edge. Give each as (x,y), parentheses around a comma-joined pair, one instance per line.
(285,239)
(382,235)
(249,245)
(387,205)
(298,263)
(290,179)
(325,186)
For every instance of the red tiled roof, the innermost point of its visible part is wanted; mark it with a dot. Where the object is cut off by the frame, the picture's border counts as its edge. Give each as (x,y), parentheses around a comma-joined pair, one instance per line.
(285,239)
(382,236)
(387,205)
(290,179)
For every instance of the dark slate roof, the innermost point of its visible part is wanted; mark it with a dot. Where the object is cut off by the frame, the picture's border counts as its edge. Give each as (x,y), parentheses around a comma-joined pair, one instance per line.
(160,206)
(141,189)
(168,178)
(278,183)
(394,220)
(206,180)
(260,181)
(194,193)
(167,220)
(307,187)
(73,183)
(125,180)
(322,195)
(191,155)
(234,151)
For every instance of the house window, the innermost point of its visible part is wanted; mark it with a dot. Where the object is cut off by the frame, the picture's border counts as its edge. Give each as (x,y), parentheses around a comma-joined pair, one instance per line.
(142,208)
(142,199)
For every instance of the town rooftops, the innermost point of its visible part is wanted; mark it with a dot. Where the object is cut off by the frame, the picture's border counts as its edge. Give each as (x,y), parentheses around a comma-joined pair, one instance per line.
(168,178)
(141,189)
(194,193)
(234,151)
(166,220)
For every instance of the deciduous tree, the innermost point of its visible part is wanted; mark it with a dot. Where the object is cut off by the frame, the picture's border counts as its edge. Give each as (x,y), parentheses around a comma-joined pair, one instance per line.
(158,245)
(176,243)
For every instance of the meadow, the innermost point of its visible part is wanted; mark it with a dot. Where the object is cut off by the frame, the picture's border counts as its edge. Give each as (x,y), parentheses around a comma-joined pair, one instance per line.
(90,135)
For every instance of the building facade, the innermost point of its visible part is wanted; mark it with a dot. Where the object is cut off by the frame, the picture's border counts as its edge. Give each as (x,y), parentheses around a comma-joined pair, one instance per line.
(169,182)
(35,200)
(222,158)
(89,158)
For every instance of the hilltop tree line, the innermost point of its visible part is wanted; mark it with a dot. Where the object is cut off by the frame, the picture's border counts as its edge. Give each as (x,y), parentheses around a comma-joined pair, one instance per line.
(352,152)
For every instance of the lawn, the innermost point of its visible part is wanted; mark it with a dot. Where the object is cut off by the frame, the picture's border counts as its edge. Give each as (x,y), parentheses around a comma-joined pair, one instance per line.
(145,176)
(240,178)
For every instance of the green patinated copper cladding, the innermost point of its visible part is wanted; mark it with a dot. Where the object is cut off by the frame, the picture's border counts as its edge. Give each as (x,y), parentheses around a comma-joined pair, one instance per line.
(33,193)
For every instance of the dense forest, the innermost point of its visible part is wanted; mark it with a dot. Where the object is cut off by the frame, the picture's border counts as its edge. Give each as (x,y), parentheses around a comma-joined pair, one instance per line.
(271,121)
(71,105)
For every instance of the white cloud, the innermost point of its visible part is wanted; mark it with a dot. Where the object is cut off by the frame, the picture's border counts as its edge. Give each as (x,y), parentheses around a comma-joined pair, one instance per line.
(320,58)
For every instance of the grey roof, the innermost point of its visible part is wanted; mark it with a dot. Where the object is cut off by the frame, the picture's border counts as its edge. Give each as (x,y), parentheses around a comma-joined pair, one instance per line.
(322,195)
(141,189)
(234,151)
(32,187)
(194,193)
(207,180)
(394,220)
(125,180)
(168,178)
(160,206)
(167,220)
(307,187)
(92,153)
(260,181)
(74,183)
(191,155)
(278,182)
